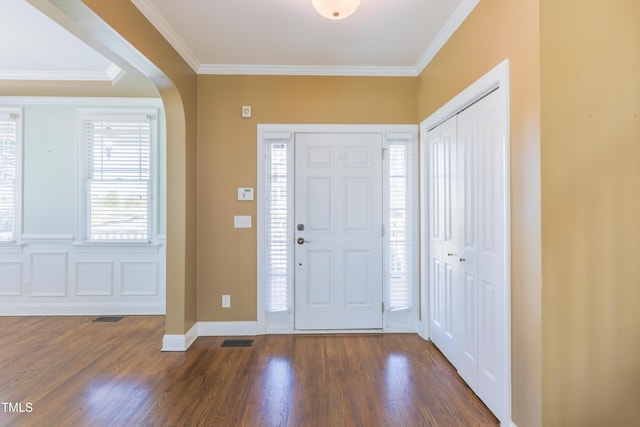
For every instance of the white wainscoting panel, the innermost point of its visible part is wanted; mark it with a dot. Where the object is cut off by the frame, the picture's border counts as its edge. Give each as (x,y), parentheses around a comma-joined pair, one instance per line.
(10,278)
(139,278)
(49,274)
(94,278)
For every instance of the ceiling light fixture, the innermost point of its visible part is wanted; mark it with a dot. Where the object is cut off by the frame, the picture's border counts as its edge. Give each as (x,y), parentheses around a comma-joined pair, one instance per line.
(336,9)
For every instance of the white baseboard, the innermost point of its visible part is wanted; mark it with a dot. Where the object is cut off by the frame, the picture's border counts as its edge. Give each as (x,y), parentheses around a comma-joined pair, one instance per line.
(180,342)
(70,309)
(213,329)
(208,329)
(423,331)
(222,329)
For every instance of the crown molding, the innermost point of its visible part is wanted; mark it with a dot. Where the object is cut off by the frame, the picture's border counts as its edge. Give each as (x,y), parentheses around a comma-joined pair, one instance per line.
(157,20)
(110,76)
(306,70)
(458,17)
(161,24)
(114,73)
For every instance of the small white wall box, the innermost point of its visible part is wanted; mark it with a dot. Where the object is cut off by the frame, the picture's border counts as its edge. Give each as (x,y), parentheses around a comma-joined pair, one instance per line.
(245,193)
(242,221)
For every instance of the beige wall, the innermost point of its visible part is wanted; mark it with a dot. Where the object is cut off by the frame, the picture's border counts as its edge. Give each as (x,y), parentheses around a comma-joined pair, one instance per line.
(227,160)
(177,84)
(496,30)
(591,212)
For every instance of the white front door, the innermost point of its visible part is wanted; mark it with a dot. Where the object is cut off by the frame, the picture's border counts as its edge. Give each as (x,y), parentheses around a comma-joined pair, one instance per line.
(338,231)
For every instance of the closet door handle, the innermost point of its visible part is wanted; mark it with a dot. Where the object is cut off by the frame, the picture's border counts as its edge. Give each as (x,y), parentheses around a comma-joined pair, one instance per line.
(451,254)
(462,259)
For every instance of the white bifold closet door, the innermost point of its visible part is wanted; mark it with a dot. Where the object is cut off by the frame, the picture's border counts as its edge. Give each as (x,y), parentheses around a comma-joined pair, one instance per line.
(467,207)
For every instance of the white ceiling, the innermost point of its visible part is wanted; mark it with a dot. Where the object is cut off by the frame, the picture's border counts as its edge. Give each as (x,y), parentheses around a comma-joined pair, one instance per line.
(33,47)
(383,37)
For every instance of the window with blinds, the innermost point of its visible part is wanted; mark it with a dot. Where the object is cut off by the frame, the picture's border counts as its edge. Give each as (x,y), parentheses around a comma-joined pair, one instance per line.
(119,176)
(279,227)
(400,217)
(10,148)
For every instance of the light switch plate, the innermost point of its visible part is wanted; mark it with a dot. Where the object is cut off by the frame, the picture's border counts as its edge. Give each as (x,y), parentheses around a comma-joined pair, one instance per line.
(246,111)
(242,221)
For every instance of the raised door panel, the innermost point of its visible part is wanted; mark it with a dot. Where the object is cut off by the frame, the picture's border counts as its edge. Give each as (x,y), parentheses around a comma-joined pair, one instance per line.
(357,278)
(320,204)
(320,281)
(357,204)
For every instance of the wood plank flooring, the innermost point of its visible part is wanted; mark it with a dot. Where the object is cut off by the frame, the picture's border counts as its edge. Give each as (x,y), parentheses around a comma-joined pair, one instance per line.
(71,371)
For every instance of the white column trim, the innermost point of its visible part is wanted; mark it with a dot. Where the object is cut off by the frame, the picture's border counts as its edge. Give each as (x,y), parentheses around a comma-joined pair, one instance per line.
(180,342)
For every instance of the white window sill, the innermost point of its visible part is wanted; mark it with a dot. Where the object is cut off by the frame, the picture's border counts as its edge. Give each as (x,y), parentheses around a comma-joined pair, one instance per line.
(117,246)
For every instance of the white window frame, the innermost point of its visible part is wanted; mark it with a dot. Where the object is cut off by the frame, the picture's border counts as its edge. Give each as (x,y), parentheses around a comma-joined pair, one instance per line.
(17,114)
(84,114)
(405,319)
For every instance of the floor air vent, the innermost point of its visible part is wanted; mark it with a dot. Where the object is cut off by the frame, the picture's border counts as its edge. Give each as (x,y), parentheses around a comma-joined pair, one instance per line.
(237,343)
(108,319)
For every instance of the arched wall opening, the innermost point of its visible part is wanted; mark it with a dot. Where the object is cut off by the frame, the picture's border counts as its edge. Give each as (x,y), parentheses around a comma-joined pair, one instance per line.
(121,33)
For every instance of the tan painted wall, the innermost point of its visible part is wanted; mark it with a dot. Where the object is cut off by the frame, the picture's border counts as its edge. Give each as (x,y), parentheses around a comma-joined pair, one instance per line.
(177,84)
(495,30)
(227,160)
(591,212)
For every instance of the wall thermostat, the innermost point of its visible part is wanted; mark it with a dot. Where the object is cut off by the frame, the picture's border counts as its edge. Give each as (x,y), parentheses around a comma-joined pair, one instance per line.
(245,193)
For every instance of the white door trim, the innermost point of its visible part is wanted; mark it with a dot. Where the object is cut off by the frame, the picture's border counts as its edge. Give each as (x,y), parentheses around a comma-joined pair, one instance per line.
(498,77)
(287,132)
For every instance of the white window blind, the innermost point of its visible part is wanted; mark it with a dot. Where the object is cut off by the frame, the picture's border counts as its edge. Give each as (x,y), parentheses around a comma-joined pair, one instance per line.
(279,226)
(400,214)
(9,175)
(119,177)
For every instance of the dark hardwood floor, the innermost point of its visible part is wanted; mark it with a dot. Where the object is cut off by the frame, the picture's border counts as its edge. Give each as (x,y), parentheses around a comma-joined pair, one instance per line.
(70,371)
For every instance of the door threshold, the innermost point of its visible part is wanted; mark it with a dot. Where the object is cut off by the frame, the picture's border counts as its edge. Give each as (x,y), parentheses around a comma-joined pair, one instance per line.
(337,331)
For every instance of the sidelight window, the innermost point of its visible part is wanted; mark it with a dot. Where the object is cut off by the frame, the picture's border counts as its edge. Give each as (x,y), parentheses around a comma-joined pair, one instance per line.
(399,209)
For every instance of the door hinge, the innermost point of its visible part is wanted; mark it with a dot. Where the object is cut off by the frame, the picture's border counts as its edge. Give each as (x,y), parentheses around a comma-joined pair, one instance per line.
(383,306)
(383,151)
(382,231)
